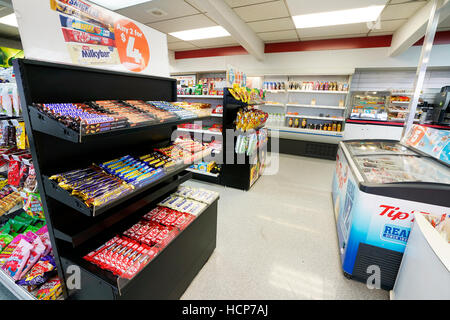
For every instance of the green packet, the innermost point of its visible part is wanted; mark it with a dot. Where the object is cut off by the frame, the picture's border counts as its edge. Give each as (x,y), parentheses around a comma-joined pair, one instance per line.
(32,229)
(5,240)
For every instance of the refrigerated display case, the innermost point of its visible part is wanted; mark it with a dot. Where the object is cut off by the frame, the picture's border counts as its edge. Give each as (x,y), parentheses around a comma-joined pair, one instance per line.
(378,186)
(369,105)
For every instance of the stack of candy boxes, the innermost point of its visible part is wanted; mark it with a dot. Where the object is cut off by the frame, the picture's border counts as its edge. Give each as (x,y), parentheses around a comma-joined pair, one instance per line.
(125,255)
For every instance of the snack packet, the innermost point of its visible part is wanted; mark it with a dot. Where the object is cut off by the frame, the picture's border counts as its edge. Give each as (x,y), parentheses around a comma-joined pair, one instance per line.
(18,258)
(50,290)
(39,273)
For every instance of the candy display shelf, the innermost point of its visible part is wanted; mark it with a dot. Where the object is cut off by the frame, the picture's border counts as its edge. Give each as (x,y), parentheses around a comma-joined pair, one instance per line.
(215,175)
(315,117)
(199,96)
(319,91)
(18,291)
(57,193)
(314,106)
(307,131)
(76,229)
(43,123)
(236,174)
(219,133)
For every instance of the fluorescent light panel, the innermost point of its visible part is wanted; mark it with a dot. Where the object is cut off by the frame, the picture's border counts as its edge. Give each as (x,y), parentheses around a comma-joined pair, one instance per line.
(334,18)
(118,4)
(9,20)
(201,33)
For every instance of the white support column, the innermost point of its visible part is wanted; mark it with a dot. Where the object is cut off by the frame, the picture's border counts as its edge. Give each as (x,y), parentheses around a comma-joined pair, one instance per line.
(414,29)
(423,63)
(220,12)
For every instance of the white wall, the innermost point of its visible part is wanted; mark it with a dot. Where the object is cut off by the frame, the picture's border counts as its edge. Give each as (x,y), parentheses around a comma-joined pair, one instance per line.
(313,62)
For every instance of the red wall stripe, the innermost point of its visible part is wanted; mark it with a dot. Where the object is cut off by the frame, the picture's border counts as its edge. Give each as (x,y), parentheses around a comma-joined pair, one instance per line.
(212,52)
(330,44)
(442,37)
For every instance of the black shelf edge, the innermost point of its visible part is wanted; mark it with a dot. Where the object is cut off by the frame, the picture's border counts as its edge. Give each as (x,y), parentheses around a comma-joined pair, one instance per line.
(43,123)
(4,117)
(54,191)
(119,284)
(79,234)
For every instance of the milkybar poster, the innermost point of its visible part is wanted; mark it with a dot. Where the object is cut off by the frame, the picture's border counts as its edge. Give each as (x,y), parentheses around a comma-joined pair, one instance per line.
(82,33)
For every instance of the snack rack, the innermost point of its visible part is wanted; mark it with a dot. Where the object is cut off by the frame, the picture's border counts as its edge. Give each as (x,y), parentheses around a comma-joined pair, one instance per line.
(237,169)
(75,229)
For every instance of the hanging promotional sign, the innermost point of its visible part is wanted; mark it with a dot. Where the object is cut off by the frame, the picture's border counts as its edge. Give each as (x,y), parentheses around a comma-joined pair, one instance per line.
(82,33)
(7,55)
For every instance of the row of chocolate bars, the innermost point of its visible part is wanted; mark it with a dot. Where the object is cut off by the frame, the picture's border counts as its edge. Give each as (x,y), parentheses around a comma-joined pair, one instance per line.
(125,255)
(99,116)
(100,184)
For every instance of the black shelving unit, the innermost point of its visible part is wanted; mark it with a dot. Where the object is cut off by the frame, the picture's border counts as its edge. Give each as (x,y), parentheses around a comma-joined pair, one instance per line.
(236,171)
(74,228)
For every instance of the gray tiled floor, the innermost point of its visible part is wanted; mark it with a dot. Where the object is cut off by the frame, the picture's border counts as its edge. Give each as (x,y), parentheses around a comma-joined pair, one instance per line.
(277,241)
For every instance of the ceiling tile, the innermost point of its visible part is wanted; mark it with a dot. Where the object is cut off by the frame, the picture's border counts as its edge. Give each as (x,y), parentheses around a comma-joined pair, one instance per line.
(170,8)
(341,36)
(185,23)
(264,11)
(171,39)
(297,7)
(272,25)
(278,35)
(345,29)
(182,45)
(388,25)
(241,3)
(215,42)
(401,11)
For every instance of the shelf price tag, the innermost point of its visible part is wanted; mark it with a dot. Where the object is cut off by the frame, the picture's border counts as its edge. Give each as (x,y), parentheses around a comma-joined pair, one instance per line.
(134,52)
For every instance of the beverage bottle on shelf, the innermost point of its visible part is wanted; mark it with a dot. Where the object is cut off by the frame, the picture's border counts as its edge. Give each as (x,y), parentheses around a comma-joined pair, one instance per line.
(334,126)
(304,123)
(297,123)
(290,122)
(339,126)
(329,127)
(325,127)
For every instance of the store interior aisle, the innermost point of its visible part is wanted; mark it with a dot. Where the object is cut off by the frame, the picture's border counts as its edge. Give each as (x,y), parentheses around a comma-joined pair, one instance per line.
(278,240)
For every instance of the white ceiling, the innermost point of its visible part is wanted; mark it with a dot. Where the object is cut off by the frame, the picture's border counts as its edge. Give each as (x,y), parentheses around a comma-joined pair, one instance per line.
(270,19)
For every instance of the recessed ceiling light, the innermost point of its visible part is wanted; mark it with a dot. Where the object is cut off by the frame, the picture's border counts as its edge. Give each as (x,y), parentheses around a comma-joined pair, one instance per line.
(9,20)
(201,33)
(118,4)
(333,18)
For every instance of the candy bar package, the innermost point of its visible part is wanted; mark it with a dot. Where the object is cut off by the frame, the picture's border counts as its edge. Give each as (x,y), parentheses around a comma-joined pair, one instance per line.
(198,194)
(132,171)
(50,290)
(18,259)
(140,261)
(14,173)
(94,186)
